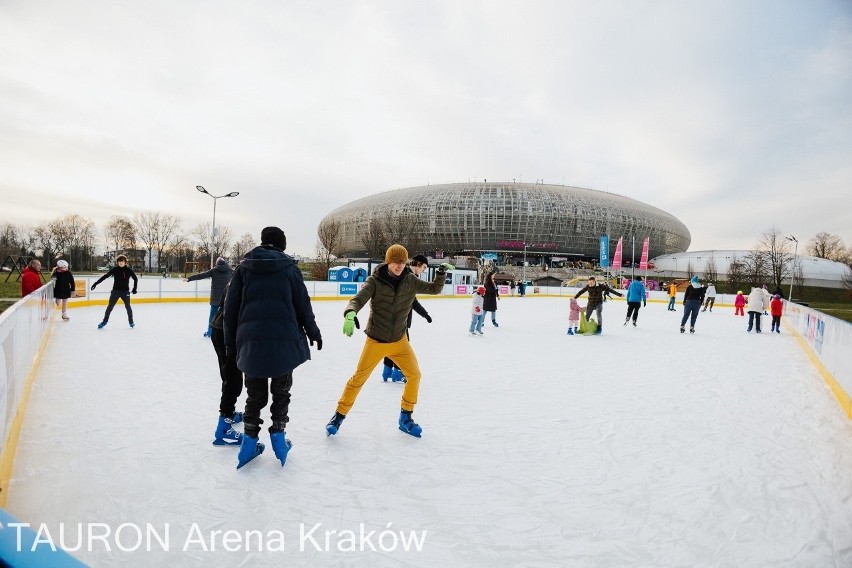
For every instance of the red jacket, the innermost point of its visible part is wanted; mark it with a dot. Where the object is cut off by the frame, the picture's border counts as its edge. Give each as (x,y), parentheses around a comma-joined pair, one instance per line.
(30,281)
(775,306)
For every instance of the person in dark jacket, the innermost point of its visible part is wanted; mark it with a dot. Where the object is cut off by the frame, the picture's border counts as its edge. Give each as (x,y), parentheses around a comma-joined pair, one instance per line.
(232,383)
(219,276)
(121,274)
(64,287)
(490,299)
(596,292)
(268,320)
(391,370)
(692,300)
(390,290)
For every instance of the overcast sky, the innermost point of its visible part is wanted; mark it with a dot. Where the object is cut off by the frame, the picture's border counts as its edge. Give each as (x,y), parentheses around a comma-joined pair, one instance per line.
(733,116)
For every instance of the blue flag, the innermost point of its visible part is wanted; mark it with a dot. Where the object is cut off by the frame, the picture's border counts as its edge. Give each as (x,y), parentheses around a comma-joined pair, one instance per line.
(604,251)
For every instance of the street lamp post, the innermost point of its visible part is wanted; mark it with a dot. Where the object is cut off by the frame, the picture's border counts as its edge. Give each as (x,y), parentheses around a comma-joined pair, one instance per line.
(793,272)
(524,269)
(213,229)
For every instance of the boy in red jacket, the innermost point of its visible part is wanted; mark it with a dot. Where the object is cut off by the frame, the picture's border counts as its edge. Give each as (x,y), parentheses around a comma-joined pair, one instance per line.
(776,306)
(31,278)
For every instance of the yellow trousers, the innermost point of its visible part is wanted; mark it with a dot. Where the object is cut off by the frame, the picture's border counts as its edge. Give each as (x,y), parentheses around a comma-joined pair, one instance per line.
(401,353)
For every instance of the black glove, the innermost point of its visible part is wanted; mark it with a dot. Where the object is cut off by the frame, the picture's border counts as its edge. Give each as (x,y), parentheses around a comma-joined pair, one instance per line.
(644,303)
(319,343)
(93,287)
(428,318)
(134,290)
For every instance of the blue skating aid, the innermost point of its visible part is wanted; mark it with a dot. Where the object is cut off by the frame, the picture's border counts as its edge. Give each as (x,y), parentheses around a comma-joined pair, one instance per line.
(280,445)
(250,448)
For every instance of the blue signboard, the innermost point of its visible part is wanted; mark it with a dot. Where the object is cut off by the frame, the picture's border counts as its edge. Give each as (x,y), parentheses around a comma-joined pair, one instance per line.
(604,251)
(348,289)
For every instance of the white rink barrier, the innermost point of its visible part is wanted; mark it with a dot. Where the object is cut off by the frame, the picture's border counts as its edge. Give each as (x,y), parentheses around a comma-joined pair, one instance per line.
(828,342)
(24,331)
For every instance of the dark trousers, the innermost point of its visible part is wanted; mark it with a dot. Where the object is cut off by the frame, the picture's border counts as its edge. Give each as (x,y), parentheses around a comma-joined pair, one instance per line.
(690,312)
(633,309)
(258,395)
(113,298)
(232,377)
(754,321)
(776,322)
(709,303)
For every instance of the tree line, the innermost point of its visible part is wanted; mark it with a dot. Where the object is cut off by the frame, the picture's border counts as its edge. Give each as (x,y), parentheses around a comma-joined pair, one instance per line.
(167,245)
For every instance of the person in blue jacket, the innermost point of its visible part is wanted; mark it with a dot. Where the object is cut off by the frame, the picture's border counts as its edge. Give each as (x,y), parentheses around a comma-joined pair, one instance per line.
(267,322)
(219,276)
(636,297)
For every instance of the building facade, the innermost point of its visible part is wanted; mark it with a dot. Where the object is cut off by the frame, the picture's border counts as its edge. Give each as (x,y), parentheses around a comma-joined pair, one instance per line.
(506,217)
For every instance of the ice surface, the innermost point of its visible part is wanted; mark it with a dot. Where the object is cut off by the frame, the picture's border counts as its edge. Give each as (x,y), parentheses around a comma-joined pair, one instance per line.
(641,447)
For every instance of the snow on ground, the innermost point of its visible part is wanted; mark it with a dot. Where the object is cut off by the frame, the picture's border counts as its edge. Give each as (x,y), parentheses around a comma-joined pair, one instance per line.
(642,447)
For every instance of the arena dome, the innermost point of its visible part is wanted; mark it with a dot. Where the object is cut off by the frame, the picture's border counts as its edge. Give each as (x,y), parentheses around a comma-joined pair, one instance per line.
(503,217)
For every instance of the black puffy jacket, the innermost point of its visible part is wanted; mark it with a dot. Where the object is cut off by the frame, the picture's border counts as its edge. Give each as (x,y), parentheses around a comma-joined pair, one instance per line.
(267,314)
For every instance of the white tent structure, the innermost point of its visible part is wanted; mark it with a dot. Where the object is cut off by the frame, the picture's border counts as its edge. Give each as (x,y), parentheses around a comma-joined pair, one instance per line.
(815,271)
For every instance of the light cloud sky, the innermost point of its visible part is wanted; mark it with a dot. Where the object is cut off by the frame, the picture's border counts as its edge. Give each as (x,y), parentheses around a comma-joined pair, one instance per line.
(732,116)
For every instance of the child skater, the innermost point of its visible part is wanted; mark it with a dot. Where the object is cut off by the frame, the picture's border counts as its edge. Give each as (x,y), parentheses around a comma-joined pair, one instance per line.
(739,304)
(574,316)
(64,287)
(478,314)
(776,307)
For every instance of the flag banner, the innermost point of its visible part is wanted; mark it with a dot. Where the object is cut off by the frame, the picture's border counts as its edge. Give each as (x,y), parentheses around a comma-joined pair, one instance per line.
(604,251)
(643,263)
(616,260)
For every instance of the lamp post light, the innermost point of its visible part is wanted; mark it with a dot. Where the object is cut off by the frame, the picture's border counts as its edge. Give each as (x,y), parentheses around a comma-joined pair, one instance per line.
(213,229)
(793,272)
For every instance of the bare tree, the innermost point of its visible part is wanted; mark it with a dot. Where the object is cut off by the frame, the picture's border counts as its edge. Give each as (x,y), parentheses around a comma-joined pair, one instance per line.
(10,242)
(329,239)
(242,246)
(798,279)
(825,245)
(374,240)
(154,229)
(43,239)
(775,249)
(120,234)
(755,267)
(736,274)
(175,252)
(710,272)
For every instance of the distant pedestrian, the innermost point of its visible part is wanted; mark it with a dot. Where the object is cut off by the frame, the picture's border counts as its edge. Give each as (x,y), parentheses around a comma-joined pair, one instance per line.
(636,296)
(693,297)
(31,277)
(739,304)
(672,296)
(711,297)
(219,276)
(512,286)
(477,312)
(595,304)
(490,298)
(121,275)
(522,288)
(64,287)
(776,308)
(268,321)
(758,303)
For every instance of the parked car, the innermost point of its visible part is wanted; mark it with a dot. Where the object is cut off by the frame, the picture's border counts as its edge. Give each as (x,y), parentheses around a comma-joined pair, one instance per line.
(103,268)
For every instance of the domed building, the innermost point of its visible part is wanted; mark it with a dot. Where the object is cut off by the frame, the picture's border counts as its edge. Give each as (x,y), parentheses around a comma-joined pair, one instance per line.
(506,218)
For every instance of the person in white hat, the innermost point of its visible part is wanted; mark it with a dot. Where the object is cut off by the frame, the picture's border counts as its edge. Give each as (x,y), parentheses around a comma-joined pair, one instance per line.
(64,287)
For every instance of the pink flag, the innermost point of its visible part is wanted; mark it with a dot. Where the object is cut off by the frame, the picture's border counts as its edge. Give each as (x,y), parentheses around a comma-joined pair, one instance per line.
(643,264)
(616,261)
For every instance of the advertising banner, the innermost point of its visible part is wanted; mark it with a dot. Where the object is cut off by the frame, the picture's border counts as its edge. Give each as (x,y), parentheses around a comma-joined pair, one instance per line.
(616,261)
(604,251)
(643,263)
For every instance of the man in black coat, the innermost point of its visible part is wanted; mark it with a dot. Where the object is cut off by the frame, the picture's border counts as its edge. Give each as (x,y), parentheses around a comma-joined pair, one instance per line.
(268,320)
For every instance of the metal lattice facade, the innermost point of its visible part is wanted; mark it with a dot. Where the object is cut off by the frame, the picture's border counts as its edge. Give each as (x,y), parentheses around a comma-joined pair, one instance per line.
(483,216)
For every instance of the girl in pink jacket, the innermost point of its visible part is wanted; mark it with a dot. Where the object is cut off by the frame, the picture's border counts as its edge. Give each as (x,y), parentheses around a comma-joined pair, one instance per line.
(739,304)
(573,316)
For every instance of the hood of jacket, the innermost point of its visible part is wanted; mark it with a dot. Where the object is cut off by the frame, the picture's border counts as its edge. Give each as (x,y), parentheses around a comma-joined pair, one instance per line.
(222,267)
(265,260)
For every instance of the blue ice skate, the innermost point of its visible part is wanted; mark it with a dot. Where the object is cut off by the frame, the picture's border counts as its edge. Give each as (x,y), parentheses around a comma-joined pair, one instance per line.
(408,425)
(225,433)
(132,325)
(250,448)
(397,376)
(334,424)
(101,325)
(280,445)
(570,331)
(237,417)
(386,373)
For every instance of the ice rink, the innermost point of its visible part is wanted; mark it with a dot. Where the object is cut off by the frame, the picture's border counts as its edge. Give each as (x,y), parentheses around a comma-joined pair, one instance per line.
(641,447)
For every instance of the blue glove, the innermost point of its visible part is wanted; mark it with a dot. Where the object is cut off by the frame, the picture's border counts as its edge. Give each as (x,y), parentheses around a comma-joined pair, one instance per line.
(447,266)
(350,322)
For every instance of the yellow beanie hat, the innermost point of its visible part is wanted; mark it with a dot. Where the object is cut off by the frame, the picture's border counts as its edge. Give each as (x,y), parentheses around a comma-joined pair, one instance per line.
(396,253)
